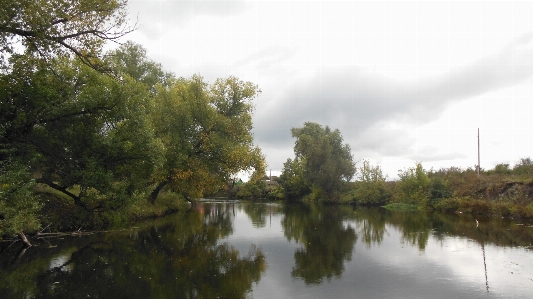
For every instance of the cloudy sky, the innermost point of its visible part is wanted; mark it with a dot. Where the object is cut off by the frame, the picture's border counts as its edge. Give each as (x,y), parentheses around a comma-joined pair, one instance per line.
(402,81)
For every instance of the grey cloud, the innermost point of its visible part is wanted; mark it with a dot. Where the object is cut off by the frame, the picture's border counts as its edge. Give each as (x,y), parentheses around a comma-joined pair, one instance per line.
(156,17)
(513,64)
(361,104)
(266,59)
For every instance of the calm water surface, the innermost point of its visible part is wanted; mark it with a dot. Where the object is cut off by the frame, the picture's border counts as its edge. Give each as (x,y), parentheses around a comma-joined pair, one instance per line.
(266,250)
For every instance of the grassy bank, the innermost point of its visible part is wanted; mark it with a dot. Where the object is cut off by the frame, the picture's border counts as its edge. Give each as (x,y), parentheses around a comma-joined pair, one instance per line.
(401,207)
(499,192)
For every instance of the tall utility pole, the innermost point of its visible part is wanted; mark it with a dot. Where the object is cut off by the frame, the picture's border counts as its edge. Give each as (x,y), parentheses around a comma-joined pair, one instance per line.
(478,165)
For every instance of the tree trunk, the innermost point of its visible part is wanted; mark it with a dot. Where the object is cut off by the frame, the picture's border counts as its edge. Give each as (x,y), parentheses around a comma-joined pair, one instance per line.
(24,240)
(77,199)
(155,193)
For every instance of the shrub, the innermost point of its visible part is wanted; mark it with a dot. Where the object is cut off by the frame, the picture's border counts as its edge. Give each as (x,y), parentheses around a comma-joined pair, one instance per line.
(524,167)
(413,186)
(438,189)
(447,205)
(371,188)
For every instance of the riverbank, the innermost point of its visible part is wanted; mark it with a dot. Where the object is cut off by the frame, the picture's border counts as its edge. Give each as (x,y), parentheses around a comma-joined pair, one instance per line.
(58,213)
(471,206)
(500,192)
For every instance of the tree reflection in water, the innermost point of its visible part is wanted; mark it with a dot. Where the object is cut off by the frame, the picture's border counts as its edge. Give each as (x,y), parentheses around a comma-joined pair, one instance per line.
(261,213)
(183,256)
(180,259)
(327,241)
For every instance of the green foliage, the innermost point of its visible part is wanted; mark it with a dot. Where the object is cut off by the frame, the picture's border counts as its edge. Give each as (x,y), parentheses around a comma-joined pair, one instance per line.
(438,189)
(448,205)
(131,59)
(398,206)
(255,187)
(19,207)
(292,179)
(500,169)
(206,132)
(524,167)
(79,126)
(252,189)
(413,186)
(327,162)
(370,189)
(105,143)
(55,28)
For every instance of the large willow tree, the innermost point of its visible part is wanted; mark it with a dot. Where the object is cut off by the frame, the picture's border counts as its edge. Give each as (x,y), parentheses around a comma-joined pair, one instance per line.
(327,162)
(73,126)
(36,36)
(206,133)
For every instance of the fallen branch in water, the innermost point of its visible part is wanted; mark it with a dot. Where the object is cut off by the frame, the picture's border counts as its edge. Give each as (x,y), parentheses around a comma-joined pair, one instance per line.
(41,236)
(24,240)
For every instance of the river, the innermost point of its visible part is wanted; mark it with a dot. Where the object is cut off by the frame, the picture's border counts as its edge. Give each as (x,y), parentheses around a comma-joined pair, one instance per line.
(270,250)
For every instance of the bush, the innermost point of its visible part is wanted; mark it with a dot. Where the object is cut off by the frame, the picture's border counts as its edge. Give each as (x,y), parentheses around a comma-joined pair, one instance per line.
(524,167)
(447,205)
(500,169)
(413,186)
(371,193)
(371,188)
(438,189)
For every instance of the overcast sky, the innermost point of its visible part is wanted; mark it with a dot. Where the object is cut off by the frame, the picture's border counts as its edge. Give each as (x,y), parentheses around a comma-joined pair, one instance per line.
(402,81)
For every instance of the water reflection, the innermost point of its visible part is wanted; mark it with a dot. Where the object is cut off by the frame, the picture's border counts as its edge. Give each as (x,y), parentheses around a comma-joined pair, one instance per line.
(261,213)
(417,227)
(177,259)
(327,242)
(221,249)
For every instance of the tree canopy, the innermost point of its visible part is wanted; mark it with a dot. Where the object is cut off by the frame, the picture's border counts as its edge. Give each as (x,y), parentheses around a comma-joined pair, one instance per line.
(104,142)
(53,28)
(206,131)
(326,161)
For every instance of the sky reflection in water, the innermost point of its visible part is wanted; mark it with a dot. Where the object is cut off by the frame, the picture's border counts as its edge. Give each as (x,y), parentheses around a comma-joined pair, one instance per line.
(394,255)
(245,250)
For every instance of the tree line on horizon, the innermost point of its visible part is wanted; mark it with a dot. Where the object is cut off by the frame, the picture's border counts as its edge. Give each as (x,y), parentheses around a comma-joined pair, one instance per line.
(323,168)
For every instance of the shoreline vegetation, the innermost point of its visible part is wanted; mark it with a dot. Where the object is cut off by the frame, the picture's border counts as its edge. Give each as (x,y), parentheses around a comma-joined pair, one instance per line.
(322,160)
(504,191)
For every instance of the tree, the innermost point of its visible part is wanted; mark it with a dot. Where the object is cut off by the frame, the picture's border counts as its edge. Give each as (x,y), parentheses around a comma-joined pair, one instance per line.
(327,162)
(292,179)
(18,204)
(53,28)
(255,187)
(413,186)
(75,126)
(206,133)
(370,187)
(524,166)
(131,59)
